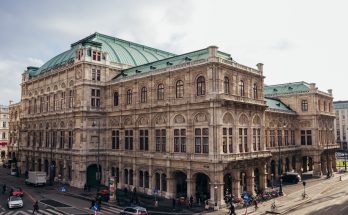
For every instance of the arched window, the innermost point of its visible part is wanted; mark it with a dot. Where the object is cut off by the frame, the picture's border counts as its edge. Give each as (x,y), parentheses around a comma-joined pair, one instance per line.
(129,97)
(200,86)
(226,85)
(126,176)
(255,96)
(241,88)
(157,181)
(324,105)
(116,98)
(160,92)
(179,89)
(143,95)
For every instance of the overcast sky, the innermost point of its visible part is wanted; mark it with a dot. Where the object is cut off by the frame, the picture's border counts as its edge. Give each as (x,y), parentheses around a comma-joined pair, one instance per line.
(296,40)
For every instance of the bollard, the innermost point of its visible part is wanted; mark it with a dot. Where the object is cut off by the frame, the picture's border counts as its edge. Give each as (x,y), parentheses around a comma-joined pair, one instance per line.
(340,178)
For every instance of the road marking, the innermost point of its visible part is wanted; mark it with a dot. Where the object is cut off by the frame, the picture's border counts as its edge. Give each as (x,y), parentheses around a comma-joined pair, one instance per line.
(342,209)
(54,212)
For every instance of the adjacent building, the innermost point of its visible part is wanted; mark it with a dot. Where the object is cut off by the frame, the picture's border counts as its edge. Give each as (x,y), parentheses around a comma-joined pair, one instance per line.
(197,124)
(4,128)
(341,122)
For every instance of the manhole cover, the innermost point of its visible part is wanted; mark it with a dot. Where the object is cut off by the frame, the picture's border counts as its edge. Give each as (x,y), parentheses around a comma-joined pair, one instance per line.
(54,203)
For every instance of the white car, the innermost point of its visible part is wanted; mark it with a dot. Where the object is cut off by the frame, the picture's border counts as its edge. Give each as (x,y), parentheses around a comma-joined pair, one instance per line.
(14,202)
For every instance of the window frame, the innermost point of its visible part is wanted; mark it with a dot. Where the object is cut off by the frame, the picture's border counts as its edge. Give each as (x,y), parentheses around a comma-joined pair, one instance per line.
(179,89)
(201,87)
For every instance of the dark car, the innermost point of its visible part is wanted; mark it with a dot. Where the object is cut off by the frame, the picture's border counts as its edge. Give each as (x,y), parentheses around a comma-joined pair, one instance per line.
(291,177)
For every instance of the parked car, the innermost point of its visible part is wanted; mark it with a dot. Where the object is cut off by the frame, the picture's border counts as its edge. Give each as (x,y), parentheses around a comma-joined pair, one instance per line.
(291,177)
(14,202)
(17,191)
(134,211)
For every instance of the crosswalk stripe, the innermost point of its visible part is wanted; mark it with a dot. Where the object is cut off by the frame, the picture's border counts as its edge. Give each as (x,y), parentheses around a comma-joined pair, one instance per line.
(54,212)
(10,212)
(44,212)
(111,209)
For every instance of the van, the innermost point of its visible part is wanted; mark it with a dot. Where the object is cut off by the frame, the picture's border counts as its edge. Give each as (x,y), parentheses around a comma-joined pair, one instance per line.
(291,177)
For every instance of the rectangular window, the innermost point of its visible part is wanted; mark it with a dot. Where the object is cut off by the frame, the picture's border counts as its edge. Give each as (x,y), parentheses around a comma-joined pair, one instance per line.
(279,134)
(62,100)
(160,140)
(47,143)
(128,140)
(95,74)
(48,103)
(55,102)
(144,140)
(202,140)
(179,140)
(286,137)
(40,138)
(71,139)
(95,98)
(272,138)
(303,137)
(304,105)
(256,139)
(227,140)
(42,104)
(292,133)
(62,138)
(71,98)
(115,139)
(54,139)
(309,137)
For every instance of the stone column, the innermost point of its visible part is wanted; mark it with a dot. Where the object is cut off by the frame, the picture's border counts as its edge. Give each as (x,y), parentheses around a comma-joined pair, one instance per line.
(317,166)
(236,183)
(263,176)
(324,167)
(251,181)
(334,167)
(190,187)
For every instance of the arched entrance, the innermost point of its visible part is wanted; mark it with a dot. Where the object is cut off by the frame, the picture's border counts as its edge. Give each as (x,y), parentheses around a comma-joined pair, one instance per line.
(92,178)
(273,167)
(243,182)
(307,163)
(227,184)
(180,183)
(46,166)
(202,187)
(287,165)
(293,162)
(257,180)
(39,165)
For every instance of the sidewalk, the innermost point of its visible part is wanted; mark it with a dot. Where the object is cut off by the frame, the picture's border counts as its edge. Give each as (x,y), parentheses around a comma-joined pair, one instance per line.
(284,203)
(164,205)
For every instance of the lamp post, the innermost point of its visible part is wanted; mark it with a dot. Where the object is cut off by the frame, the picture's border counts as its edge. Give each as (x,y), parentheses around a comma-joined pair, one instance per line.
(327,155)
(345,160)
(272,180)
(94,124)
(215,196)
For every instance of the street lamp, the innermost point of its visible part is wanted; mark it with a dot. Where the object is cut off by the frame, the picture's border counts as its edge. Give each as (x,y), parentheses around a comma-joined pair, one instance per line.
(272,178)
(94,124)
(327,155)
(280,168)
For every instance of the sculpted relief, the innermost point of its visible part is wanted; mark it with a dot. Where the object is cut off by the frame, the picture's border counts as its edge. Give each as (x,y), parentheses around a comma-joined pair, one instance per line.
(179,119)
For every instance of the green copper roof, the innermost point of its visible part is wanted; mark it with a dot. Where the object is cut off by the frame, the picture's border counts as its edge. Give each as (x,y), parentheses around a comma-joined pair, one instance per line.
(277,104)
(295,87)
(119,51)
(168,62)
(341,104)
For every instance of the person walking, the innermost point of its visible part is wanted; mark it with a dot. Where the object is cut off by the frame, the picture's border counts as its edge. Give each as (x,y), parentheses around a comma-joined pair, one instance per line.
(191,201)
(36,207)
(4,189)
(173,203)
(232,209)
(255,204)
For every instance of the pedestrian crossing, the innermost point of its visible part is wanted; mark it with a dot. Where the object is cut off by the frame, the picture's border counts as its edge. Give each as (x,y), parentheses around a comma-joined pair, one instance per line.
(46,211)
(106,210)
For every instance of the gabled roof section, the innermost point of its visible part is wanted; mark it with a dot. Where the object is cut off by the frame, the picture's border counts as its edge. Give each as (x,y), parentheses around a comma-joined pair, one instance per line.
(277,104)
(119,51)
(288,88)
(169,62)
(340,104)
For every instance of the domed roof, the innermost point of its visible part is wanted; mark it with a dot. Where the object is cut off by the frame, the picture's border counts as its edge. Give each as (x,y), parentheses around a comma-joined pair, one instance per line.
(119,51)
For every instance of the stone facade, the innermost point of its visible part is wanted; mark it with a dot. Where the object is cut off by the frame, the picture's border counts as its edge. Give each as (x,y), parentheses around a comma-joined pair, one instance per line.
(341,122)
(4,132)
(199,126)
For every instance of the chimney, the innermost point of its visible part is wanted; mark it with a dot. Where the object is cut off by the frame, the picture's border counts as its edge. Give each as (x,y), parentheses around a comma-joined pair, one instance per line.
(312,86)
(260,67)
(212,51)
(329,91)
